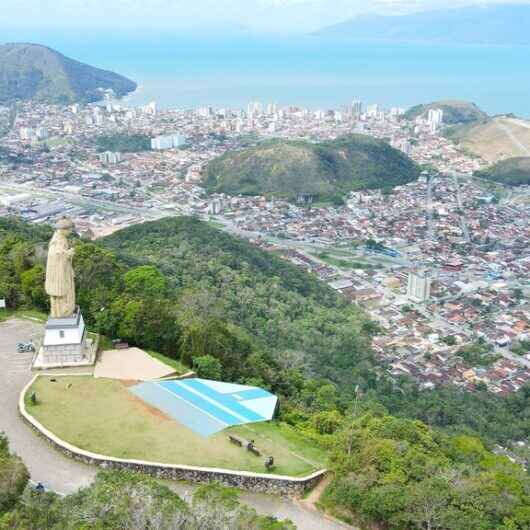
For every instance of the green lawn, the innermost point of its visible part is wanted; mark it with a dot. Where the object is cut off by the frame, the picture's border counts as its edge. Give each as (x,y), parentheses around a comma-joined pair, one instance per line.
(335,261)
(180,369)
(102,416)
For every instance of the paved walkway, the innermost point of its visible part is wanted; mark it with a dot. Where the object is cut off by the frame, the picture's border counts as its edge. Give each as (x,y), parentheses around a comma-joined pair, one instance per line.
(45,465)
(131,364)
(64,475)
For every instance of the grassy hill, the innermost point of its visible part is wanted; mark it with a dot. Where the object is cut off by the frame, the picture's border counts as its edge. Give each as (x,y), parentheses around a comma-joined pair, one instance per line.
(499,138)
(455,112)
(512,172)
(34,72)
(327,169)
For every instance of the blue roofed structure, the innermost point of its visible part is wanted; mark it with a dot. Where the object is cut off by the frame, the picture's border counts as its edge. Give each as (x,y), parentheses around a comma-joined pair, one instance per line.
(206,406)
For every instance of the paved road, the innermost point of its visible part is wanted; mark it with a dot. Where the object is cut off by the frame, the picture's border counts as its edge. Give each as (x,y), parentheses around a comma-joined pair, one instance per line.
(65,476)
(44,464)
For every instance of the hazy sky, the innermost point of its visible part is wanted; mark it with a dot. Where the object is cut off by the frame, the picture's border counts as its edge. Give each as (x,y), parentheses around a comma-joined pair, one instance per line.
(254,15)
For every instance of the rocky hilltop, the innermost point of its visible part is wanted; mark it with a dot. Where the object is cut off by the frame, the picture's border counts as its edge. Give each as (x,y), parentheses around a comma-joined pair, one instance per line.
(455,112)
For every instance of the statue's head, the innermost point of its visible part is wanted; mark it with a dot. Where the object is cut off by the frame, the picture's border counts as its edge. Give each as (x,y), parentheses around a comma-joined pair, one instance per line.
(64,225)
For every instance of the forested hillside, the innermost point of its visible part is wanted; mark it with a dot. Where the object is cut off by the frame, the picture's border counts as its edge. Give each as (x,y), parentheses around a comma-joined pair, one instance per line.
(512,172)
(34,72)
(327,170)
(223,306)
(260,298)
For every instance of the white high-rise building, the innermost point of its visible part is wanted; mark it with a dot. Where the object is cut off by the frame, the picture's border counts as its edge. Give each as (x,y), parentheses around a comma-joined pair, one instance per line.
(254,109)
(405,147)
(150,109)
(110,158)
(397,111)
(26,133)
(167,142)
(435,119)
(272,108)
(372,110)
(42,133)
(357,107)
(419,286)
(204,112)
(215,207)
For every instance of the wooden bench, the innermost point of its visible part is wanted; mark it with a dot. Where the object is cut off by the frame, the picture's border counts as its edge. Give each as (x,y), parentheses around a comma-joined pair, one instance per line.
(252,449)
(237,441)
(241,442)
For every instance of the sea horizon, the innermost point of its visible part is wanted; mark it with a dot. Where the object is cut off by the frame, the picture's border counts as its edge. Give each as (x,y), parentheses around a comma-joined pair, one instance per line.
(185,71)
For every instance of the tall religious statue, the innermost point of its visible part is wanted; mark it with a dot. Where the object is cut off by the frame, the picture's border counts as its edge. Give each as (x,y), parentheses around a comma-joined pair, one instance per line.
(60,285)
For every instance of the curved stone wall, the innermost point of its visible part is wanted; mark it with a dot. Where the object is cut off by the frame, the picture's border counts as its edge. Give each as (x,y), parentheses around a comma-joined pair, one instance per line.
(246,480)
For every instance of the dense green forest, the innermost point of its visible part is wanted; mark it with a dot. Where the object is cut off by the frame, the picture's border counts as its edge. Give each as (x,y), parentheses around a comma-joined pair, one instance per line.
(259,301)
(401,473)
(120,500)
(235,312)
(33,72)
(123,143)
(512,172)
(327,169)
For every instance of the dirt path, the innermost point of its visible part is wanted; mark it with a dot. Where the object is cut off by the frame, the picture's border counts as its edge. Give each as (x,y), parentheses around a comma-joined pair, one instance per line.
(516,142)
(310,503)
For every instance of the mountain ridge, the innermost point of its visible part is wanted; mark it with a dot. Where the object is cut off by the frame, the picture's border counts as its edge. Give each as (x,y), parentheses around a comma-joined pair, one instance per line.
(498,24)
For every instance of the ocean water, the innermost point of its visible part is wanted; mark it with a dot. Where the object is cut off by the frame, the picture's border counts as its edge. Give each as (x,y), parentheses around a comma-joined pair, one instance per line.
(187,71)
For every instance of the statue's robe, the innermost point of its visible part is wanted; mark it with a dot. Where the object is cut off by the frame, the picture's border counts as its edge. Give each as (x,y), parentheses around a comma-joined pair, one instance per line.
(60,283)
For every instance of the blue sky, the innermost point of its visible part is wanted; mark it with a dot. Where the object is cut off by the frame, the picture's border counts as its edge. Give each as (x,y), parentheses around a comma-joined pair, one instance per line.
(291,16)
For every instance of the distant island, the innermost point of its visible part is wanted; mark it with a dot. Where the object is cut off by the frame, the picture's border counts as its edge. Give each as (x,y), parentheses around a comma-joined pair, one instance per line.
(492,24)
(325,170)
(34,72)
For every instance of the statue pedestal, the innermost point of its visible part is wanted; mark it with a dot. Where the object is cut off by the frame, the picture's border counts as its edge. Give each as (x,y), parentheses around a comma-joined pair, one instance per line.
(65,344)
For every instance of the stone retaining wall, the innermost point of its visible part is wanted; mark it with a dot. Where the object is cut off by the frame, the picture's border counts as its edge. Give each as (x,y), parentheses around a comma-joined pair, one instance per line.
(259,482)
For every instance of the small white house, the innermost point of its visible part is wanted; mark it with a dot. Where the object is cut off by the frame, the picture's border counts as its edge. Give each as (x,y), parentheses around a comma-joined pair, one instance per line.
(65,343)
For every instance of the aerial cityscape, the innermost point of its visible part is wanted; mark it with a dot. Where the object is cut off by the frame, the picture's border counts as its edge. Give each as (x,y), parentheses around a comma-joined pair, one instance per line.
(267,315)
